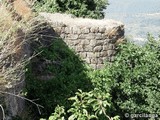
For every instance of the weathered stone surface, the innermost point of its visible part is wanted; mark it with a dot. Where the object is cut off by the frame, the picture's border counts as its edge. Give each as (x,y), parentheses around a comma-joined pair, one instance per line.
(62,36)
(77,42)
(79,48)
(100,61)
(85,42)
(67,30)
(94,29)
(76,30)
(111,46)
(93,40)
(85,30)
(102,29)
(82,36)
(99,42)
(94,60)
(104,54)
(90,36)
(88,48)
(90,54)
(98,49)
(105,47)
(83,55)
(97,54)
(73,36)
(98,36)
(88,60)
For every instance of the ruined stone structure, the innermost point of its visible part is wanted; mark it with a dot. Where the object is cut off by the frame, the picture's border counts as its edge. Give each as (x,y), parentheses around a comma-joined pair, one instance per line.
(93,40)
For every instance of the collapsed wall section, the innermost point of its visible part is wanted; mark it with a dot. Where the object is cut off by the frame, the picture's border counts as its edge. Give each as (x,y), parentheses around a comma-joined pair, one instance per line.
(93,40)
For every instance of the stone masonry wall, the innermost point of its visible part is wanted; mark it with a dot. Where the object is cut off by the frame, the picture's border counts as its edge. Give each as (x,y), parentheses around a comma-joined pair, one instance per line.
(93,40)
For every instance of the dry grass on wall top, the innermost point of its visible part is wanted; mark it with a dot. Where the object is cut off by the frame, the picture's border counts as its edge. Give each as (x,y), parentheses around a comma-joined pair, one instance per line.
(15,39)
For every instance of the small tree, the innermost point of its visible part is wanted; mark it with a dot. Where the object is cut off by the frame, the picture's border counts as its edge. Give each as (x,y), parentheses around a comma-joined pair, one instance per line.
(79,8)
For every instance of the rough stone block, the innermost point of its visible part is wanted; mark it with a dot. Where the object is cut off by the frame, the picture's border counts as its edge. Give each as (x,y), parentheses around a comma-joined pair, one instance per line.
(94,29)
(104,53)
(68,30)
(105,36)
(85,30)
(113,40)
(83,55)
(76,30)
(100,61)
(79,48)
(90,36)
(90,55)
(98,36)
(62,36)
(85,42)
(62,30)
(94,61)
(105,47)
(77,42)
(70,43)
(99,42)
(88,48)
(98,49)
(102,29)
(111,52)
(82,36)
(97,54)
(111,46)
(74,36)
(58,29)
(93,42)
(87,60)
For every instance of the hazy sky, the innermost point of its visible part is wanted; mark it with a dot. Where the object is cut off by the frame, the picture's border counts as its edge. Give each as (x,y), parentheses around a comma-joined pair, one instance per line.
(134,6)
(138,16)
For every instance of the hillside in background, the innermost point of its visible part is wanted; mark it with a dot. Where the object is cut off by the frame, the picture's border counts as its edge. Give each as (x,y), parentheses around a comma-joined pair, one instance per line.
(139,17)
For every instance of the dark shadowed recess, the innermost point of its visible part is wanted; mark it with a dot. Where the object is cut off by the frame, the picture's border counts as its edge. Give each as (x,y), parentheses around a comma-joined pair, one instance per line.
(55,74)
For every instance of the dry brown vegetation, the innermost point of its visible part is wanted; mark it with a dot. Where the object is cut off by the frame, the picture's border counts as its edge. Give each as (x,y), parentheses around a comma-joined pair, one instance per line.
(13,40)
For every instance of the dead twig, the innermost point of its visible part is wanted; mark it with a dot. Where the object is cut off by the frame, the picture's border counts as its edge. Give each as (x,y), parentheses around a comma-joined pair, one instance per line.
(31,101)
(3,114)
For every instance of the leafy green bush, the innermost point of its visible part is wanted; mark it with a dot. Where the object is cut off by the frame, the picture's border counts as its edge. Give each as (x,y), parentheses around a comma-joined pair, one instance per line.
(136,75)
(68,71)
(133,79)
(79,8)
(93,105)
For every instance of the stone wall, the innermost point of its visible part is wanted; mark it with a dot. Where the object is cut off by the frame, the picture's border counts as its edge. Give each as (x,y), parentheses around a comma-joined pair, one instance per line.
(93,40)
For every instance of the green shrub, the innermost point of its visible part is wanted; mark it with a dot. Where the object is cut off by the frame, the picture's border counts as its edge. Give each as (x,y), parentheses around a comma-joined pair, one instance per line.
(136,75)
(79,8)
(93,105)
(133,79)
(69,75)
